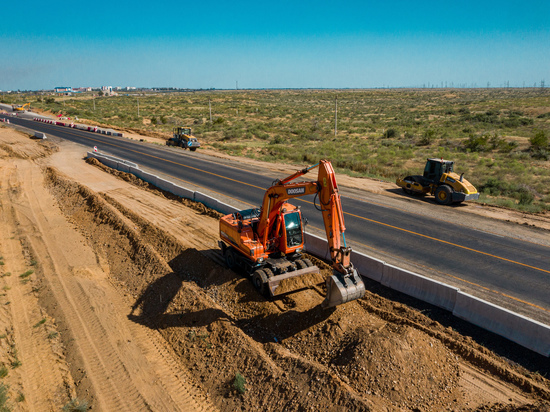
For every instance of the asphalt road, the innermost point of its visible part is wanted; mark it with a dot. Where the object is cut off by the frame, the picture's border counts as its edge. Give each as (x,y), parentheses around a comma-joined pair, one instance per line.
(505,270)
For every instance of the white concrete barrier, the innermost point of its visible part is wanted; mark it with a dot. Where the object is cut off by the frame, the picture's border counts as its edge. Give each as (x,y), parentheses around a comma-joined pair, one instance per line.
(183,192)
(368,266)
(40,135)
(206,200)
(420,287)
(225,208)
(123,167)
(317,246)
(147,177)
(524,331)
(165,185)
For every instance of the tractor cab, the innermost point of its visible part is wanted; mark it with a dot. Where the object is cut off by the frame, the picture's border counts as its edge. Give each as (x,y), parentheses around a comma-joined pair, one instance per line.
(435,168)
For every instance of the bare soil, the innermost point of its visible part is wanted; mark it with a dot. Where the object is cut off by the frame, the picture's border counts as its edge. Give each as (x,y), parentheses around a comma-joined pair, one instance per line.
(115,294)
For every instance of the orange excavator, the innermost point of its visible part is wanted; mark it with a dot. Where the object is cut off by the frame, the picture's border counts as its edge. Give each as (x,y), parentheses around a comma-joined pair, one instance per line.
(267,243)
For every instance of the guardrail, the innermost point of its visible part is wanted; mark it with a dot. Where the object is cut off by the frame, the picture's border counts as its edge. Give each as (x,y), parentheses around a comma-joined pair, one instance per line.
(512,326)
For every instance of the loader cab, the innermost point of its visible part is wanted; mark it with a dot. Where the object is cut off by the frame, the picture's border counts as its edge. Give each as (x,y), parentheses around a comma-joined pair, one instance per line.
(435,168)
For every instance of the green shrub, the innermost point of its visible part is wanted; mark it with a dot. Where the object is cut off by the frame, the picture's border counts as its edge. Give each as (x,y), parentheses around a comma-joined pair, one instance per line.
(427,138)
(390,133)
(539,140)
(239,383)
(477,143)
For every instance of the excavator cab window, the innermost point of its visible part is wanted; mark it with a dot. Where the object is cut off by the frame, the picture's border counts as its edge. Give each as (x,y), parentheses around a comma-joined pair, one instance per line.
(293,227)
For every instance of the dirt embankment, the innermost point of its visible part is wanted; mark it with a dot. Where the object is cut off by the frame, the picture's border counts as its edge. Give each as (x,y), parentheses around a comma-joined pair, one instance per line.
(151,272)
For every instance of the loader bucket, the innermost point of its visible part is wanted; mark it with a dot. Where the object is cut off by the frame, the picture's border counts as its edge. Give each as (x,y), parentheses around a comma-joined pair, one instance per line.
(343,288)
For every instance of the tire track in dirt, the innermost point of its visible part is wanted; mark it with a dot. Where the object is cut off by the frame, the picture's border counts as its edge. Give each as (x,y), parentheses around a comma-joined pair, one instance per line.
(44,378)
(119,376)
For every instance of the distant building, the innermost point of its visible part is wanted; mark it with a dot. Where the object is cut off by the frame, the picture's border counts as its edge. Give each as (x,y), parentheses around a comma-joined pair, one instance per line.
(63,90)
(82,89)
(107,90)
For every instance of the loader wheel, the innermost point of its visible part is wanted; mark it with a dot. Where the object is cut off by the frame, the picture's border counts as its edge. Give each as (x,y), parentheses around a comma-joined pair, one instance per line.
(259,279)
(443,195)
(193,149)
(230,258)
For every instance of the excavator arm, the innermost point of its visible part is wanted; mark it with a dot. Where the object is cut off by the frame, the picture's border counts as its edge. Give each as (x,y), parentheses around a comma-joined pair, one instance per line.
(345,284)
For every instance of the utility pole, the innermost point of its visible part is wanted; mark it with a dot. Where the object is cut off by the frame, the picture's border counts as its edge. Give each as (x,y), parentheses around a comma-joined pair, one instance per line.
(335,116)
(137,105)
(93,100)
(210,110)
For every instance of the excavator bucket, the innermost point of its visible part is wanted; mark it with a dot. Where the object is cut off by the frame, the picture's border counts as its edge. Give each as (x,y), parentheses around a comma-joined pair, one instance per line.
(342,288)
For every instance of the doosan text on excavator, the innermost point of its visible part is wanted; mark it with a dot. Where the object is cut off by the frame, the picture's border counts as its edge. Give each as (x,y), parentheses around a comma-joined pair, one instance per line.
(267,243)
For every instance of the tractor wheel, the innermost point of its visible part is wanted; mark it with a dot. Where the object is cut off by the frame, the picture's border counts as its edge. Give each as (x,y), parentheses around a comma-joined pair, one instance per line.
(230,258)
(300,264)
(443,195)
(259,279)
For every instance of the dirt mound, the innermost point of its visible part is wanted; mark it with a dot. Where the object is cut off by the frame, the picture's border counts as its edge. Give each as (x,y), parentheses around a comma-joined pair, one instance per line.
(401,364)
(293,355)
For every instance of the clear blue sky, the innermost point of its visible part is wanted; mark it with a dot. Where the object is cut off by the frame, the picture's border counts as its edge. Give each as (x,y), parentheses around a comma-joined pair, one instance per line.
(284,44)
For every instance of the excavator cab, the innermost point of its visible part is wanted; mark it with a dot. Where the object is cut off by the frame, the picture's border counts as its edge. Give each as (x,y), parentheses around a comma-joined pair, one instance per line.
(293,229)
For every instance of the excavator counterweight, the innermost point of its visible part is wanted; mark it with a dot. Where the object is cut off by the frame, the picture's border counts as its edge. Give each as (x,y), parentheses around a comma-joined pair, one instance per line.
(268,242)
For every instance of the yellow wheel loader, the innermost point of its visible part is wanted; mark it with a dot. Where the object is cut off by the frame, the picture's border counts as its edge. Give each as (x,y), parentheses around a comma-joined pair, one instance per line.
(440,180)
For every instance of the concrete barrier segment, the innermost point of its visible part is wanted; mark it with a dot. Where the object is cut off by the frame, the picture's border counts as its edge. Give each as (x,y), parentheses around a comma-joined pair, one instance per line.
(420,287)
(206,200)
(316,246)
(165,185)
(520,329)
(103,159)
(183,192)
(367,266)
(40,135)
(226,209)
